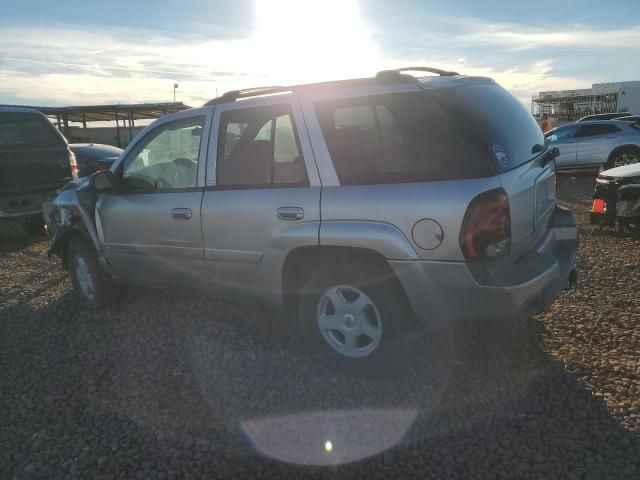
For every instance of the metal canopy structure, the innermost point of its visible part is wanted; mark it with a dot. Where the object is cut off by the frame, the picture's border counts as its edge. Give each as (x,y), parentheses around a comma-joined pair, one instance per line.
(570,106)
(125,115)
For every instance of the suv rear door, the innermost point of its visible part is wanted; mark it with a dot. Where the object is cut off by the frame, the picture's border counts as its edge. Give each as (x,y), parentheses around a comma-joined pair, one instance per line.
(565,138)
(262,198)
(516,144)
(595,142)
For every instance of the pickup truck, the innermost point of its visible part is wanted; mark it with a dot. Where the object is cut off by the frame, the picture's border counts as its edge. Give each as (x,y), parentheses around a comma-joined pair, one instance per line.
(35,161)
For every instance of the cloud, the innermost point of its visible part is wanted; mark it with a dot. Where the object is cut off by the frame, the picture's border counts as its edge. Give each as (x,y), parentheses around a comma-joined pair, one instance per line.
(522,36)
(71,65)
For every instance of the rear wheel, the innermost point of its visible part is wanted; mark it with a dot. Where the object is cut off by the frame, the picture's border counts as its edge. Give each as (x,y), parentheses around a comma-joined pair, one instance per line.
(87,276)
(34,225)
(356,318)
(626,156)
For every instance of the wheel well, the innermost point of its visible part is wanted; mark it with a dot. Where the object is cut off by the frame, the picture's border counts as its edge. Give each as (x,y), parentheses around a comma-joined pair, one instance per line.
(620,148)
(302,260)
(61,247)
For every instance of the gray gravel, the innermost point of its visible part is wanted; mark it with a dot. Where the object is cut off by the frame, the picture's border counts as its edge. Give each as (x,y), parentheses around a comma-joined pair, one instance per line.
(172,385)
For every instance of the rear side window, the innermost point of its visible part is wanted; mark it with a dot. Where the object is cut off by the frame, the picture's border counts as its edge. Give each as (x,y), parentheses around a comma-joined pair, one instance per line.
(594,130)
(25,129)
(259,148)
(403,137)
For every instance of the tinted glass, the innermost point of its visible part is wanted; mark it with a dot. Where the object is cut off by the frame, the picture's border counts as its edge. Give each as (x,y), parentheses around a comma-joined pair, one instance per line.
(597,129)
(167,157)
(23,129)
(507,127)
(405,137)
(259,148)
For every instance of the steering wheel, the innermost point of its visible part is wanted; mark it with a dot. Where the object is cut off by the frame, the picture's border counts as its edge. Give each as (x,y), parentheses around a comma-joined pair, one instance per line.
(185,163)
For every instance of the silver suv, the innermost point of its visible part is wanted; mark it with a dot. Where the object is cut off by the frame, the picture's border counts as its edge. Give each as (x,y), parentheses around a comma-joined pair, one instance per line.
(589,144)
(367,209)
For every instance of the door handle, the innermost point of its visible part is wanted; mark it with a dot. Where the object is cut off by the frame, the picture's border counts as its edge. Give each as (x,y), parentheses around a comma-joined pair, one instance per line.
(181,213)
(290,213)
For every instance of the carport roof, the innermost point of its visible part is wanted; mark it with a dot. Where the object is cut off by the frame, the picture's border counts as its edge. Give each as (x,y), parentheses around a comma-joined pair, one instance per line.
(106,113)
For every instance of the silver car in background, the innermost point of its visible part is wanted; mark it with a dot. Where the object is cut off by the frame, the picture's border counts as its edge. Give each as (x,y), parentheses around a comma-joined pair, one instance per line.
(590,144)
(368,210)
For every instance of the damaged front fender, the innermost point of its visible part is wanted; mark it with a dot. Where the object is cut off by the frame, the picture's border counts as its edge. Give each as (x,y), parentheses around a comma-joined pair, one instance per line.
(71,213)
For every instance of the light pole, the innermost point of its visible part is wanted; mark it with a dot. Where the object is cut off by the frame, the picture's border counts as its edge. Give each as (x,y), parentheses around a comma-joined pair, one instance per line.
(175,85)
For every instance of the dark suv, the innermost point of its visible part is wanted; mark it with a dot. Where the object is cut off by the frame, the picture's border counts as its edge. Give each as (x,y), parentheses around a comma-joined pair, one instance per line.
(34,162)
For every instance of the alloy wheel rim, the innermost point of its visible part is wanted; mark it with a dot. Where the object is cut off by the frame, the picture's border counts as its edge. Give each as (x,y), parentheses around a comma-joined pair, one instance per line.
(83,277)
(625,159)
(349,321)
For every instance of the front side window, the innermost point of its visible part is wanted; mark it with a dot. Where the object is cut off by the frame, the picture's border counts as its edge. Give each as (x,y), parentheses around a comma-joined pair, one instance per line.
(259,147)
(561,133)
(167,158)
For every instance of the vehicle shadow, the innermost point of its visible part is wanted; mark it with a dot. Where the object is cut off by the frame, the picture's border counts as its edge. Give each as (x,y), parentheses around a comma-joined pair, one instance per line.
(13,238)
(206,379)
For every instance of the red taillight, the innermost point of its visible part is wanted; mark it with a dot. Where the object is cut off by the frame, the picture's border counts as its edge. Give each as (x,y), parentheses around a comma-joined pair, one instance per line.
(74,165)
(486,231)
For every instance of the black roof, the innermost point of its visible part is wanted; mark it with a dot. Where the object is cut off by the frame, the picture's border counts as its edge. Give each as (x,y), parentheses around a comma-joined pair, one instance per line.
(105,113)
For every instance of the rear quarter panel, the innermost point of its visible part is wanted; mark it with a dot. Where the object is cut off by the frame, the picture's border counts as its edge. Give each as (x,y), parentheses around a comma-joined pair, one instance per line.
(401,206)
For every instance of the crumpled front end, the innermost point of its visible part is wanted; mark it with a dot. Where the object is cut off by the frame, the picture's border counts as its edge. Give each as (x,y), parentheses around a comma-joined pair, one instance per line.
(70,213)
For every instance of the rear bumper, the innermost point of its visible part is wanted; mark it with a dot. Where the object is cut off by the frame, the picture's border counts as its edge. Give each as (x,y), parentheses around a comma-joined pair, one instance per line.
(445,292)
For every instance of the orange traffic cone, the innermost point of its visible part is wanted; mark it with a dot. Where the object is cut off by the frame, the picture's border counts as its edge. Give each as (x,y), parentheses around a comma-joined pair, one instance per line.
(598,206)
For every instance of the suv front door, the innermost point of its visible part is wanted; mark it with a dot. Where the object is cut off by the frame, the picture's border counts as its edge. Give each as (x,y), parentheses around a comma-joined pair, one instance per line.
(150,227)
(262,198)
(565,139)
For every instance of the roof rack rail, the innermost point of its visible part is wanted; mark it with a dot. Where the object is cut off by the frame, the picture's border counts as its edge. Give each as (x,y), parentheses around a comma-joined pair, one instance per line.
(233,95)
(397,72)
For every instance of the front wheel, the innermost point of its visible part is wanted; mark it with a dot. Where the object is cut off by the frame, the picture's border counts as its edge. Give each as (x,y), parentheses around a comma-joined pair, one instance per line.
(356,318)
(87,276)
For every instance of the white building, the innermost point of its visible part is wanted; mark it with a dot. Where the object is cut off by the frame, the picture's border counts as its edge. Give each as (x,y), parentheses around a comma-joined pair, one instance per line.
(569,105)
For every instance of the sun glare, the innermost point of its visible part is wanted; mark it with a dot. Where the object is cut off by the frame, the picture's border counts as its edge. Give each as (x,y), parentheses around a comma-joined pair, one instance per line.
(311,40)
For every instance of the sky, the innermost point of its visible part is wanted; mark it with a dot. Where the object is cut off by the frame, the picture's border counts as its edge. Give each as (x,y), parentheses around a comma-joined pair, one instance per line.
(82,52)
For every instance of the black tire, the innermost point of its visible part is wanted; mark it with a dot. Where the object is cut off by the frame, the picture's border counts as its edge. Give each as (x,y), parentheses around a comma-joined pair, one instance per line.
(617,157)
(34,225)
(399,327)
(104,293)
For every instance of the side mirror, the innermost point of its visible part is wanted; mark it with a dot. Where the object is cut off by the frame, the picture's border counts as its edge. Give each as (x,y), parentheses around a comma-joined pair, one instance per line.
(102,181)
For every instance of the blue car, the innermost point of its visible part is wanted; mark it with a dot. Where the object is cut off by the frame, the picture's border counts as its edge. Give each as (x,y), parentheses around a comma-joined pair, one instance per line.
(94,157)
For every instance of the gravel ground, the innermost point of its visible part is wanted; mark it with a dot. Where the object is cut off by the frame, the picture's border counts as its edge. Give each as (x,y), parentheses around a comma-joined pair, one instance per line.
(172,385)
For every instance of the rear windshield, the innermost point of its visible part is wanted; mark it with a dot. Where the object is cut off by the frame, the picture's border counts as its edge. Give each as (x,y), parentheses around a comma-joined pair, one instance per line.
(19,129)
(508,129)
(444,134)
